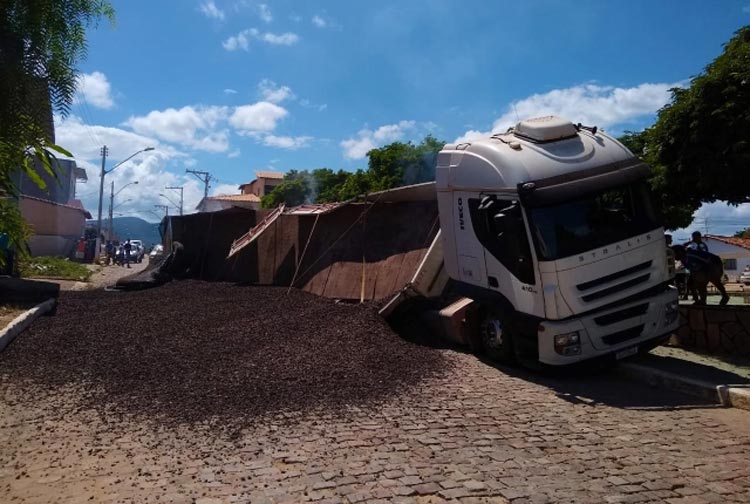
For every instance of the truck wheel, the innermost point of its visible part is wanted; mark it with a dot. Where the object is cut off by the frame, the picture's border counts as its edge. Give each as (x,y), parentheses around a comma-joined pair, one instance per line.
(494,337)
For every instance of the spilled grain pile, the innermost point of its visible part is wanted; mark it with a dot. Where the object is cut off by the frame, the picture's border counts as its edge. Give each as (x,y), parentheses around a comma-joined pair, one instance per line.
(191,351)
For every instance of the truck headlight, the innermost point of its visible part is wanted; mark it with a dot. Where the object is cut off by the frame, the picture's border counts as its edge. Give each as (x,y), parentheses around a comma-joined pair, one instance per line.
(568,343)
(671,312)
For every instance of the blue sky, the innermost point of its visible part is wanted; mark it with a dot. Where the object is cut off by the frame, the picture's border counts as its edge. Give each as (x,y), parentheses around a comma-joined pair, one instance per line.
(233,86)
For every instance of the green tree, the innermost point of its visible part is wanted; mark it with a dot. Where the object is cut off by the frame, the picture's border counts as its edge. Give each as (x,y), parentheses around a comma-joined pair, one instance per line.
(700,144)
(355,184)
(400,163)
(41,41)
(675,212)
(744,233)
(326,184)
(293,191)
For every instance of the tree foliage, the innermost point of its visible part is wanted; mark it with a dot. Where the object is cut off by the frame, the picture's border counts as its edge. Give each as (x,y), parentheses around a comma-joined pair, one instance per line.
(390,166)
(675,211)
(41,41)
(699,145)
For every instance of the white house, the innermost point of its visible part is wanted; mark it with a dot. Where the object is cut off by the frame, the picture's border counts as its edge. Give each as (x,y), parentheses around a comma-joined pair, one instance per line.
(735,252)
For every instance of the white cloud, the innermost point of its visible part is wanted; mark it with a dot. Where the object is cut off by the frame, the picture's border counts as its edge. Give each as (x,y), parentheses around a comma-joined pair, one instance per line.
(234,154)
(94,88)
(308,104)
(193,127)
(236,42)
(366,140)
(261,116)
(287,38)
(319,21)
(242,39)
(264,12)
(230,91)
(224,189)
(591,104)
(287,142)
(210,10)
(274,93)
(746,9)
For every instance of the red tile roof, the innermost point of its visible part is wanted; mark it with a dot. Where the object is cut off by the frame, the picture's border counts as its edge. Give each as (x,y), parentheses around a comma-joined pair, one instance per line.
(731,240)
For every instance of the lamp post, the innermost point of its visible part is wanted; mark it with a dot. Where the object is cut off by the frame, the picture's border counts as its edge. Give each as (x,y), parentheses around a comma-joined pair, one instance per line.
(181,189)
(170,200)
(112,195)
(104,171)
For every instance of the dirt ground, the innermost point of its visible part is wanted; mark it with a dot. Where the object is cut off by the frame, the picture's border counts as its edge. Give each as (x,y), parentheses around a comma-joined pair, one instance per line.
(101,276)
(8,313)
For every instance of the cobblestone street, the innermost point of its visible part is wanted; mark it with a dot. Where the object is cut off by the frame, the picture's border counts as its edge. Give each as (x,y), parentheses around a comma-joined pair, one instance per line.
(477,434)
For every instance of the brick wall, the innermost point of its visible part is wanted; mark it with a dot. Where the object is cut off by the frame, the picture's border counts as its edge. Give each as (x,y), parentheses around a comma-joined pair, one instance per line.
(715,329)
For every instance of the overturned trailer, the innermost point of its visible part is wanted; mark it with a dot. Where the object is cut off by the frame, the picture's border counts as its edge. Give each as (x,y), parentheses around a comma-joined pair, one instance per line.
(364,249)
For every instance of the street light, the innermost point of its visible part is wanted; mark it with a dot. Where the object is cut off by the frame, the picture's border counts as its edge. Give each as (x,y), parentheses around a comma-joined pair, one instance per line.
(126,201)
(170,200)
(104,171)
(181,194)
(112,195)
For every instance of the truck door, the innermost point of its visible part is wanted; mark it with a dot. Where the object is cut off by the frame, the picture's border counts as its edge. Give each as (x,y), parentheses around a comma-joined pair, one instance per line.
(500,228)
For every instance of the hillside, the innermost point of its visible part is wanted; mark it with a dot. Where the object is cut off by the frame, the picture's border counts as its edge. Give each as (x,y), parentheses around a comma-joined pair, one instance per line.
(135,228)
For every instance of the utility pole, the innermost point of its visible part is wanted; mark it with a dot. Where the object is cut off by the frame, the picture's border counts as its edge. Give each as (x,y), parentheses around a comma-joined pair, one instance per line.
(165,208)
(181,194)
(204,177)
(104,151)
(111,208)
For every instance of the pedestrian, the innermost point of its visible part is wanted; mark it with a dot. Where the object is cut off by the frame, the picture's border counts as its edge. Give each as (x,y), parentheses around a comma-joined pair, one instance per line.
(697,243)
(110,248)
(126,252)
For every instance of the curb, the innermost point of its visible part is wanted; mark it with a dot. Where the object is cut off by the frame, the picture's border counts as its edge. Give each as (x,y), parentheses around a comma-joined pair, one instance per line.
(23,321)
(732,396)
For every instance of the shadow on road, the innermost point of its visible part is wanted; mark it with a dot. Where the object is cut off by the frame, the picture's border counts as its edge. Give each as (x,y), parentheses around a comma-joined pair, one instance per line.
(599,383)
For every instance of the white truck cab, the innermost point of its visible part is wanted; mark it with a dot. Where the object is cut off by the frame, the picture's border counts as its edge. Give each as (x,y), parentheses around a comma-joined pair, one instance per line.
(549,229)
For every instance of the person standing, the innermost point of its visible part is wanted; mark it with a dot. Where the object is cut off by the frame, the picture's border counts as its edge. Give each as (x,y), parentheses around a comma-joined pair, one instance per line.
(698,243)
(110,248)
(126,252)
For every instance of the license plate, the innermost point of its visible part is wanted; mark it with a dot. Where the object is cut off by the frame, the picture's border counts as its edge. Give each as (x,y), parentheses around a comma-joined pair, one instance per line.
(626,353)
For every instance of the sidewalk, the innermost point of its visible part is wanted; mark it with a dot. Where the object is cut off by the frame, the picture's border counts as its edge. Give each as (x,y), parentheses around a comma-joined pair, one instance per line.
(101,276)
(722,379)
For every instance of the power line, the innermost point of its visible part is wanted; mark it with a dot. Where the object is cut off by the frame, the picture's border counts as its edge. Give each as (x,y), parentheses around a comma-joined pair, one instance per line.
(204,177)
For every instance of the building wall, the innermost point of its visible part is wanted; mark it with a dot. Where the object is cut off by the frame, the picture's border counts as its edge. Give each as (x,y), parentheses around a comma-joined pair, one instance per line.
(726,251)
(55,227)
(60,190)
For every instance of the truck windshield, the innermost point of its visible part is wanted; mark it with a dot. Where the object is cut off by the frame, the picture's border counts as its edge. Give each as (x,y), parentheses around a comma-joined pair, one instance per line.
(592,221)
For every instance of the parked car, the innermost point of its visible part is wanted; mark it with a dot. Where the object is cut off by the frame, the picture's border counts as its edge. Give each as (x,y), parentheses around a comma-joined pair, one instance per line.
(745,278)
(156,252)
(137,251)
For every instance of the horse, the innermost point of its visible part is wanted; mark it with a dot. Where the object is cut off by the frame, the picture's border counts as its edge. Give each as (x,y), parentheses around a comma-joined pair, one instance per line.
(704,267)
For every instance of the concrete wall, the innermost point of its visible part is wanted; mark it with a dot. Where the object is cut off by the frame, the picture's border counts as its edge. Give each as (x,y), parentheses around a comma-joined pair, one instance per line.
(715,329)
(55,227)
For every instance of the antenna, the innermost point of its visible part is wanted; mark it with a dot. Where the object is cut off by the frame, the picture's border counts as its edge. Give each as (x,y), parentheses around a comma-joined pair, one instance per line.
(518,119)
(204,177)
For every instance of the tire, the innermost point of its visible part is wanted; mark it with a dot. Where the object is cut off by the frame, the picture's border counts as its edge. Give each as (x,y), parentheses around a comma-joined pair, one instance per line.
(494,338)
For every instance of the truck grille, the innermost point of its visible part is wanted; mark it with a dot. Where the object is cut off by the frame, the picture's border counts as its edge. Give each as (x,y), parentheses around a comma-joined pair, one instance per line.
(621,336)
(608,279)
(619,316)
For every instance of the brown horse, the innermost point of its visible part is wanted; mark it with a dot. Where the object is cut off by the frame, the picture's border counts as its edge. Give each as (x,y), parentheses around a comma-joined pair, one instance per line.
(704,268)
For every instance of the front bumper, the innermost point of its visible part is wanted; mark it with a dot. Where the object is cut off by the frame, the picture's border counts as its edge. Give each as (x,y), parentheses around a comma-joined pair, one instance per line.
(619,331)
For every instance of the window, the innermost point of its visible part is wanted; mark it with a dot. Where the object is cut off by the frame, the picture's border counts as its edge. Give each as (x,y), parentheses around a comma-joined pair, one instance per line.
(500,229)
(591,221)
(730,264)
